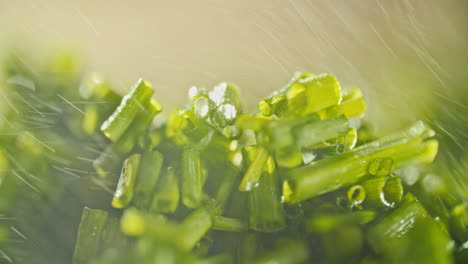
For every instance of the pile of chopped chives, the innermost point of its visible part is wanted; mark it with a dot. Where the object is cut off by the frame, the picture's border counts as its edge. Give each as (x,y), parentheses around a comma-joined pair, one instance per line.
(300,181)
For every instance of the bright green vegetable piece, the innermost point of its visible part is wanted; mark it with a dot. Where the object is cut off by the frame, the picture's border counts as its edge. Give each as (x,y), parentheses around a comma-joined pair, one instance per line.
(94,86)
(266,212)
(380,166)
(382,192)
(124,193)
(148,174)
(286,252)
(312,94)
(89,235)
(339,171)
(325,222)
(194,227)
(352,104)
(192,178)
(114,127)
(356,195)
(256,167)
(229,224)
(167,193)
(410,235)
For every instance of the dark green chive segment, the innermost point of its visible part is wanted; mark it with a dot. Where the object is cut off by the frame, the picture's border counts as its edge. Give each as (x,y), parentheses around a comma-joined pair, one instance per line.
(192,178)
(89,233)
(147,177)
(125,187)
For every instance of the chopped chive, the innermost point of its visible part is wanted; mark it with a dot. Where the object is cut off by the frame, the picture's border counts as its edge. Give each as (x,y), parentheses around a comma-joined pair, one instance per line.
(114,127)
(312,133)
(266,212)
(194,227)
(409,213)
(339,171)
(383,191)
(287,252)
(352,104)
(309,95)
(259,157)
(325,222)
(229,224)
(192,178)
(94,86)
(89,233)
(167,193)
(356,195)
(226,186)
(148,175)
(380,166)
(112,236)
(124,192)
(143,119)
(90,119)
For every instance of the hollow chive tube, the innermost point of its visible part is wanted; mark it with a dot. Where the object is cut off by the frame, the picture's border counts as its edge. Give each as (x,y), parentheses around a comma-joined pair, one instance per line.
(192,178)
(194,227)
(256,167)
(287,252)
(395,225)
(112,236)
(114,127)
(229,224)
(167,193)
(309,95)
(352,104)
(124,192)
(89,235)
(382,191)
(356,195)
(339,171)
(147,177)
(90,120)
(312,133)
(140,124)
(266,212)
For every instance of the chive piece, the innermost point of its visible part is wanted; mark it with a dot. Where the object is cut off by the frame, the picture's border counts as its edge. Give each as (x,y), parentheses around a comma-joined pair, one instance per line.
(380,166)
(325,222)
(112,236)
(266,212)
(287,252)
(124,192)
(166,197)
(410,235)
(229,224)
(148,174)
(352,104)
(356,195)
(343,243)
(339,171)
(383,191)
(397,224)
(89,233)
(114,127)
(90,119)
(194,227)
(255,170)
(312,94)
(94,86)
(192,178)
(312,133)
(105,164)
(226,187)
(289,156)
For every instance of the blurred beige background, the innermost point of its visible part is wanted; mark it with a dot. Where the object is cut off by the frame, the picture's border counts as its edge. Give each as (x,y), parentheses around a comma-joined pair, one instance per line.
(404,54)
